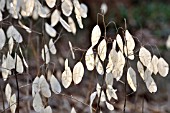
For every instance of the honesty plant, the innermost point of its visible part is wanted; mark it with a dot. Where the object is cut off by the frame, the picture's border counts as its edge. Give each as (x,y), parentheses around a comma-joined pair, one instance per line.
(122,51)
(110,66)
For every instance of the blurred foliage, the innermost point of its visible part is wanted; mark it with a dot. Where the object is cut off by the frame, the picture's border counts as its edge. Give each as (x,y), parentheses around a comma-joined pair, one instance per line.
(153,12)
(154,16)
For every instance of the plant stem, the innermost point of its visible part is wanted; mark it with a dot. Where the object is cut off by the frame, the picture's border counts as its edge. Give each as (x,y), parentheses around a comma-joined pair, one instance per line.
(3,103)
(16,79)
(103,79)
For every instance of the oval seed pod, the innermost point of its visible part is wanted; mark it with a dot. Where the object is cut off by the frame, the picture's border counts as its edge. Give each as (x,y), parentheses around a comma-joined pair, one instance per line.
(2,39)
(55,17)
(19,65)
(47,110)
(102,49)
(109,106)
(37,103)
(73,110)
(144,56)
(95,35)
(52,47)
(50,3)
(89,59)
(119,42)
(72,25)
(67,7)
(131,79)
(44,87)
(12,103)
(8,92)
(78,72)
(55,85)
(65,25)
(163,67)
(50,30)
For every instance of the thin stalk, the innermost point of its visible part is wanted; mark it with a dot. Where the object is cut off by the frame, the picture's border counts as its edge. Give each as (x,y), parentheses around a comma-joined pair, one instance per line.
(16,79)
(103,79)
(124,107)
(143,102)
(3,103)
(126,61)
(73,98)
